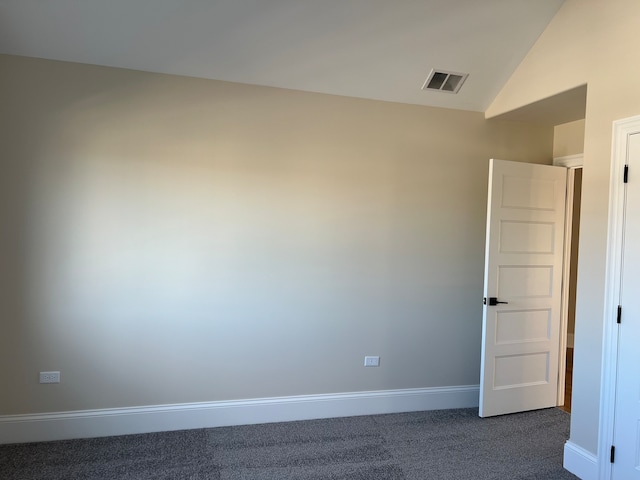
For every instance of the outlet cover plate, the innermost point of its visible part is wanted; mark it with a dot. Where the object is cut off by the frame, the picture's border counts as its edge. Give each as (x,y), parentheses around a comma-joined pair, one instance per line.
(49,377)
(372,361)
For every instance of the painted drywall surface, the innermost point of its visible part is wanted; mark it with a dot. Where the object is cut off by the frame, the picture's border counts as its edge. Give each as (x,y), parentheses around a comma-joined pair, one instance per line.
(568,139)
(170,240)
(592,42)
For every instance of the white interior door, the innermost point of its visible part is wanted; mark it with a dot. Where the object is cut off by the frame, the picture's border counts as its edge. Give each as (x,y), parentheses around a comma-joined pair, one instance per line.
(522,287)
(627,424)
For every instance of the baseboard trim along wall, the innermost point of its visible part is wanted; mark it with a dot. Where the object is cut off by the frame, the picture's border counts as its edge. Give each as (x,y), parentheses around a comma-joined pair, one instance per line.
(580,462)
(124,421)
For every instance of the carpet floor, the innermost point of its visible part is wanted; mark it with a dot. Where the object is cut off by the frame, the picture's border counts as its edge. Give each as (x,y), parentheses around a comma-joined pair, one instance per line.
(442,444)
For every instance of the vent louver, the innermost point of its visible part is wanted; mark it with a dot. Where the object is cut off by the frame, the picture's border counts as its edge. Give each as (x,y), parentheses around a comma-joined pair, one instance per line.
(443,81)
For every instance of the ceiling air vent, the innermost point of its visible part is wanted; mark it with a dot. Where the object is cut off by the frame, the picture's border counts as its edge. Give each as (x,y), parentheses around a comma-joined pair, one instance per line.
(444,81)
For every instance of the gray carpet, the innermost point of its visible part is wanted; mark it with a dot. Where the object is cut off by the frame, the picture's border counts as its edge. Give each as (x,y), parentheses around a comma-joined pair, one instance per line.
(444,444)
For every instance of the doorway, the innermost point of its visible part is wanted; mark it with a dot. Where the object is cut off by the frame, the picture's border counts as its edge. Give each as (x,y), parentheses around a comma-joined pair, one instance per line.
(522,326)
(519,324)
(574,197)
(573,164)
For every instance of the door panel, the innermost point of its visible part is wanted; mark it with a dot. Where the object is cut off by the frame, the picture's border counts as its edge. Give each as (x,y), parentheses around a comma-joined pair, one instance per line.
(523,267)
(521,369)
(523,326)
(526,237)
(525,281)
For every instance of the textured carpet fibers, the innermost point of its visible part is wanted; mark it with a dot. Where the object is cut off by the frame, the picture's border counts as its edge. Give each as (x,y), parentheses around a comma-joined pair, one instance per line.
(443,444)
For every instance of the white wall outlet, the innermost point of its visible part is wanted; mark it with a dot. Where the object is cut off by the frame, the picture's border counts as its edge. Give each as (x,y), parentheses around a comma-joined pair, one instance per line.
(372,361)
(49,377)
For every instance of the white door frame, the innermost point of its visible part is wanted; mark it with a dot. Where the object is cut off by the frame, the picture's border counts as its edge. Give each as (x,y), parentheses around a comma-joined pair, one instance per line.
(621,131)
(571,162)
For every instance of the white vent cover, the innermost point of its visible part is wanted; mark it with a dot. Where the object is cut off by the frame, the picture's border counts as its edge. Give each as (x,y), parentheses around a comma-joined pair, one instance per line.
(443,81)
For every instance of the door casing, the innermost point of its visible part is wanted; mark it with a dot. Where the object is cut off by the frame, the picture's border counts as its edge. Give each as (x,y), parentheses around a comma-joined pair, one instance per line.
(571,163)
(622,129)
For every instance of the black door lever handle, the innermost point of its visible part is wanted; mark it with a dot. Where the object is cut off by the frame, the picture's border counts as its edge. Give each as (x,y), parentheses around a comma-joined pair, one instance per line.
(492,301)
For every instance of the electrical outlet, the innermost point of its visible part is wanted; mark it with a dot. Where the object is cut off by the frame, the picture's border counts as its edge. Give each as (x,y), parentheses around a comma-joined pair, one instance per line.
(49,377)
(372,361)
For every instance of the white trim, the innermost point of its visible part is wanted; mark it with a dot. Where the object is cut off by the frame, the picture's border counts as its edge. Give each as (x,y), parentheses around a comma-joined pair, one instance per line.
(580,462)
(621,131)
(566,284)
(570,161)
(123,421)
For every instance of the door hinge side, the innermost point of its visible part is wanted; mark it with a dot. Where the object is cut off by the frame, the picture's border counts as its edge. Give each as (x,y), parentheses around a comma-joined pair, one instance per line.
(626,174)
(619,318)
(613,453)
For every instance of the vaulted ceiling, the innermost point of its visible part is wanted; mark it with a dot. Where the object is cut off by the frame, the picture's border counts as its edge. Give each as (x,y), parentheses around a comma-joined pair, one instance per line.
(377,49)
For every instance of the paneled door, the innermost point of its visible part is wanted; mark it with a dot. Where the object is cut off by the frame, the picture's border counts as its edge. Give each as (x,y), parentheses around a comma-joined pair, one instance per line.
(627,405)
(522,287)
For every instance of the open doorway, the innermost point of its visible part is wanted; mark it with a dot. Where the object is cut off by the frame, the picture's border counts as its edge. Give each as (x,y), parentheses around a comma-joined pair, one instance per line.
(573,232)
(568,145)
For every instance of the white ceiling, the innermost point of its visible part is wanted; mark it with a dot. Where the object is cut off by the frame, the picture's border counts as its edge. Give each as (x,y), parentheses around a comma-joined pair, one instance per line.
(378,49)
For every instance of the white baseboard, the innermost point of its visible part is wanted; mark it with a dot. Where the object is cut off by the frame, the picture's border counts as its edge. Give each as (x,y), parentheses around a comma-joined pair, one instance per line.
(580,462)
(124,421)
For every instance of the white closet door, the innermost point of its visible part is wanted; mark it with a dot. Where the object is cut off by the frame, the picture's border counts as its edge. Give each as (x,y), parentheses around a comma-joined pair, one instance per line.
(627,425)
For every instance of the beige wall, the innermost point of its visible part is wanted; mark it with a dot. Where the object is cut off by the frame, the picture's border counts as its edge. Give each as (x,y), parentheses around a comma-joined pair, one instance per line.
(168,239)
(592,42)
(568,139)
